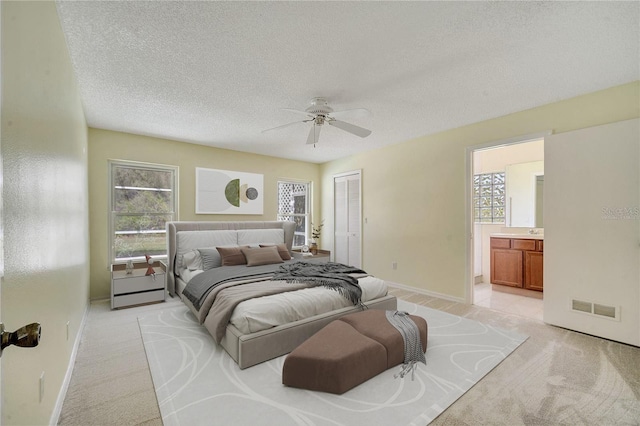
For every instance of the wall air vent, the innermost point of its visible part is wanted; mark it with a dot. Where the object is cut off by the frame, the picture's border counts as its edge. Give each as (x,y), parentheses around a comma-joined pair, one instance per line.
(605,311)
(579,305)
(596,309)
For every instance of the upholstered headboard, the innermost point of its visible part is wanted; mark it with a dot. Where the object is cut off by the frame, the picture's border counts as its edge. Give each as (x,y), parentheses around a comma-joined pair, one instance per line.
(173,228)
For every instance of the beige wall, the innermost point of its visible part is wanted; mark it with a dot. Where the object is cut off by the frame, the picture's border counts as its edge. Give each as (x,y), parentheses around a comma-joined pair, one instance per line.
(105,145)
(46,246)
(414,192)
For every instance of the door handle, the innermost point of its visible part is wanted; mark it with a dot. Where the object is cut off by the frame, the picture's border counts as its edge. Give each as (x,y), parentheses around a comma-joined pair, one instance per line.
(26,337)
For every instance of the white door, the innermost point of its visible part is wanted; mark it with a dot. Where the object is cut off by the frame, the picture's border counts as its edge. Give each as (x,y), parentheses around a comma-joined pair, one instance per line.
(347,219)
(592,231)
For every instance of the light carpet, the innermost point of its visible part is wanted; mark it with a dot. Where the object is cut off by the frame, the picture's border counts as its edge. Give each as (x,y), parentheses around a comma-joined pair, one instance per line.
(197,383)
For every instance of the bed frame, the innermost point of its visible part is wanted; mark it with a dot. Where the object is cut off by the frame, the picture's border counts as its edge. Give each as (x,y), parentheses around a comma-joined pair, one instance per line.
(254,348)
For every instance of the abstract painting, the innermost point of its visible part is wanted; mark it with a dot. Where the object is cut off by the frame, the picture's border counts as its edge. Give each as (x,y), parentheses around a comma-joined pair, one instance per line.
(228,192)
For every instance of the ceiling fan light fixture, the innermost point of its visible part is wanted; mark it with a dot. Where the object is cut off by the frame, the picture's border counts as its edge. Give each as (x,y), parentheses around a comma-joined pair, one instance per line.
(314,134)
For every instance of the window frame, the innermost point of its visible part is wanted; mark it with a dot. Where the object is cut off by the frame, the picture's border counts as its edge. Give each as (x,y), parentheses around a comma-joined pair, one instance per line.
(308,205)
(112,164)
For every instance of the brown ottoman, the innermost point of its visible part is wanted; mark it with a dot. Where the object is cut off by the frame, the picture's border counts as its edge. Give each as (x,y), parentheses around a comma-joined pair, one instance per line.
(373,324)
(348,352)
(334,360)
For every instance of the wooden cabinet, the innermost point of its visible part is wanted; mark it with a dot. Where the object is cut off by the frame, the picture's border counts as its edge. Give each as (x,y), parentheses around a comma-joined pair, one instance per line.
(533,270)
(506,267)
(517,262)
(136,288)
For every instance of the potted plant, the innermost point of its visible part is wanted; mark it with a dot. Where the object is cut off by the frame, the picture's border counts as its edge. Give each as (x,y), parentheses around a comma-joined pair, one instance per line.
(316,231)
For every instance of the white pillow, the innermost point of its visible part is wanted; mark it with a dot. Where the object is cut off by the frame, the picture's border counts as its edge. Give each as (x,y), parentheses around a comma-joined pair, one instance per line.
(192,260)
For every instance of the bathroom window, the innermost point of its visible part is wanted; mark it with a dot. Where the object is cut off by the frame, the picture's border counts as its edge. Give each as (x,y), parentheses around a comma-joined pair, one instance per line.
(489,197)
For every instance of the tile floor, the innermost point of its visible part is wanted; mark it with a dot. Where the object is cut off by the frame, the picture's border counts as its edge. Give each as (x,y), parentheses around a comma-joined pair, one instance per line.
(505,302)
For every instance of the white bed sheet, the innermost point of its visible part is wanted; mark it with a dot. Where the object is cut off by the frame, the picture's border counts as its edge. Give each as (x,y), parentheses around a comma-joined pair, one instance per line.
(266,312)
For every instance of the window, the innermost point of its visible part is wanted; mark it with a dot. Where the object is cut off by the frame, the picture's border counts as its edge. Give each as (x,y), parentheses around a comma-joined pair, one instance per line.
(489,197)
(143,199)
(293,205)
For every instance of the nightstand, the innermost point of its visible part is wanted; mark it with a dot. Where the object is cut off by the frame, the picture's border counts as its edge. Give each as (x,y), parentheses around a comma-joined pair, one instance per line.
(137,288)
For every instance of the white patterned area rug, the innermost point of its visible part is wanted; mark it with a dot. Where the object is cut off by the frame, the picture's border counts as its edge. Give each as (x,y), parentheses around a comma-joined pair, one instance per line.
(197,383)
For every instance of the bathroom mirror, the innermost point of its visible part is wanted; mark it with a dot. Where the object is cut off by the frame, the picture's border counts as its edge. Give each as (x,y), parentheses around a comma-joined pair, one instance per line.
(524,187)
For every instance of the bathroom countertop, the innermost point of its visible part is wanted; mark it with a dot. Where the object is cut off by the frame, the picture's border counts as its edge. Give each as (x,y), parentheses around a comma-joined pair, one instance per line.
(521,236)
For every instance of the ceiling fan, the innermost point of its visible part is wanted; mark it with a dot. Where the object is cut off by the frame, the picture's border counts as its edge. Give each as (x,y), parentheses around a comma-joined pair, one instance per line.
(320,113)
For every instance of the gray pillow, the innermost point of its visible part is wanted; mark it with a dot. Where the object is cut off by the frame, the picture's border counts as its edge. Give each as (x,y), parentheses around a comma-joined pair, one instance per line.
(210,258)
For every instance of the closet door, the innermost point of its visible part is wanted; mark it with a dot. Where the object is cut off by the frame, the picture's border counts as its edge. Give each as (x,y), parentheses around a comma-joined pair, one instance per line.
(347,219)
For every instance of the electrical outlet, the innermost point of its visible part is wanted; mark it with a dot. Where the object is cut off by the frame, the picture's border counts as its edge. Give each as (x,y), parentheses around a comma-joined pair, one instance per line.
(42,386)
(394,265)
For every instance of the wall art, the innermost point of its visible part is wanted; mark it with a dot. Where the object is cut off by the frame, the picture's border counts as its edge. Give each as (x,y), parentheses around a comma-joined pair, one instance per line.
(228,192)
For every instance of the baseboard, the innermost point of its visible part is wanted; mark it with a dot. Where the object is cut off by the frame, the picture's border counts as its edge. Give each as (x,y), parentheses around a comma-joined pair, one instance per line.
(427,292)
(57,410)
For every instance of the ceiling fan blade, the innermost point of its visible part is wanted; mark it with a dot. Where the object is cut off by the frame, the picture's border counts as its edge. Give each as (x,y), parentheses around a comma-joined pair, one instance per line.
(297,111)
(314,134)
(351,128)
(284,125)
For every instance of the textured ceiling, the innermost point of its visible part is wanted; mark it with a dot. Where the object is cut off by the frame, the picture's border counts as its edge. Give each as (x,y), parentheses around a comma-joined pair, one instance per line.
(218,73)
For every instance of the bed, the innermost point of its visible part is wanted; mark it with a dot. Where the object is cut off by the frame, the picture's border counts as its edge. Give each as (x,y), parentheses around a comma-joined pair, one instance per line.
(253,317)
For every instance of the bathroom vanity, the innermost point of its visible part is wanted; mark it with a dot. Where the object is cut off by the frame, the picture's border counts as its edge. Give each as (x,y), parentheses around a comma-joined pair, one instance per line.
(516,260)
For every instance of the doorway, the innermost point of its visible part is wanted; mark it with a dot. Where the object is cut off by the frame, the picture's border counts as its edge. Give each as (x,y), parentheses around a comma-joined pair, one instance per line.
(501,209)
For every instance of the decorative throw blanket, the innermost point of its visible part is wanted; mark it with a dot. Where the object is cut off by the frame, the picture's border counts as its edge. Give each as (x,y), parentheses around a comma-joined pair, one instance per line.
(412,344)
(334,276)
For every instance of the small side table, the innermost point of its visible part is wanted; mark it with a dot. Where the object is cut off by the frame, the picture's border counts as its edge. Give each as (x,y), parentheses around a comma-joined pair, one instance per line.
(137,288)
